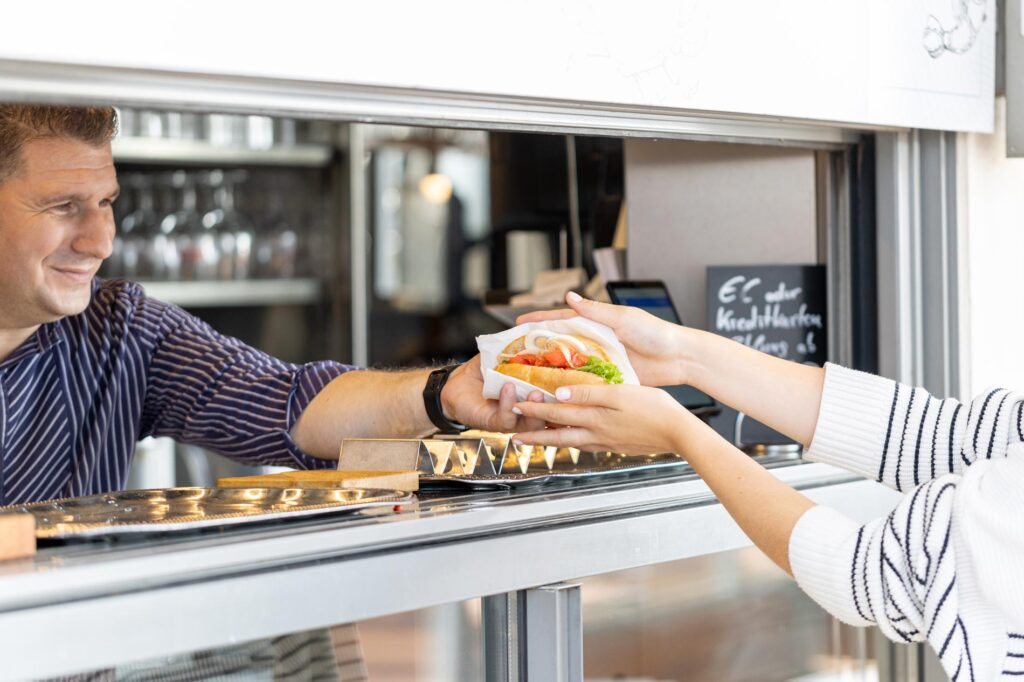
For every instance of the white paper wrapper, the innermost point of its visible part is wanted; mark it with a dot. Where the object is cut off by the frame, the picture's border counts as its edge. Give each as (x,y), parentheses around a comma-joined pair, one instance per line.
(493,344)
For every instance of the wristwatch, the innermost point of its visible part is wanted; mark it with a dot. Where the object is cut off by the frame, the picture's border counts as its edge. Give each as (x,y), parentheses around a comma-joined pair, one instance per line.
(432,401)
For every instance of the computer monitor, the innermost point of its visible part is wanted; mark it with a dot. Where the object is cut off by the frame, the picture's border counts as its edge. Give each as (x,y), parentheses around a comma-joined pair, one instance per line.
(653,296)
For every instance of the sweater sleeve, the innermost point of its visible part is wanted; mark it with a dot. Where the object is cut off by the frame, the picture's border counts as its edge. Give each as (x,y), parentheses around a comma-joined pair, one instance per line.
(902,436)
(941,568)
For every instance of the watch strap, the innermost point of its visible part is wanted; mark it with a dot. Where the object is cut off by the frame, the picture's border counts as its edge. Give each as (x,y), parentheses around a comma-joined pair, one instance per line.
(432,401)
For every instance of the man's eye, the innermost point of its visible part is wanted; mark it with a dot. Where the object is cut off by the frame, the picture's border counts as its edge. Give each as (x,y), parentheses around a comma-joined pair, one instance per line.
(66,207)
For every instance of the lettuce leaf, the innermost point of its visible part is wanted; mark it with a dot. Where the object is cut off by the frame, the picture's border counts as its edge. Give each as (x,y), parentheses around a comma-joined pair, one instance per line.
(606,370)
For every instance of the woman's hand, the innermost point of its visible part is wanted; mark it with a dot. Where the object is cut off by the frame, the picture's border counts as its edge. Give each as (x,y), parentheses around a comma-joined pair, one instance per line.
(641,420)
(655,347)
(782,394)
(629,419)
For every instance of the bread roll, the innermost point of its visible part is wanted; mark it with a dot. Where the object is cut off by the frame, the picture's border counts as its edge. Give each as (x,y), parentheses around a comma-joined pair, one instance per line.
(548,378)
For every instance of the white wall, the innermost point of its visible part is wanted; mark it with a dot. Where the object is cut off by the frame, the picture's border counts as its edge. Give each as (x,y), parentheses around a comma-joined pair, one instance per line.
(856,61)
(994,211)
(694,204)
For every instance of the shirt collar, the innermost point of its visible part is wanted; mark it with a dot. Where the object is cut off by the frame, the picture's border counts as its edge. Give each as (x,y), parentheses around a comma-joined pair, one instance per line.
(42,339)
(47,336)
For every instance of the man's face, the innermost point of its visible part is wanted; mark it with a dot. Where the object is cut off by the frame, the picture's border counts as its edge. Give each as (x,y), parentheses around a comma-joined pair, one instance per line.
(56,227)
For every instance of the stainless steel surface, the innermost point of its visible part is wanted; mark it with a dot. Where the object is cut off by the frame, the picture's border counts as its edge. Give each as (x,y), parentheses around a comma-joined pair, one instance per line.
(835,248)
(940,257)
(1013,75)
(236,293)
(574,204)
(64,83)
(563,472)
(359,286)
(492,460)
(472,456)
(315,572)
(777,451)
(181,509)
(439,457)
(500,624)
(898,271)
(919,262)
(182,151)
(554,633)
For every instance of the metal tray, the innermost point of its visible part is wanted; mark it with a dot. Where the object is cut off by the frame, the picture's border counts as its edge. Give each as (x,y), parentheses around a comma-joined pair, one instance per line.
(561,471)
(180,509)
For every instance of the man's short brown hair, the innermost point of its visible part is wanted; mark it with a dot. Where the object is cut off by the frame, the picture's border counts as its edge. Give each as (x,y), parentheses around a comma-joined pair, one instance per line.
(21,123)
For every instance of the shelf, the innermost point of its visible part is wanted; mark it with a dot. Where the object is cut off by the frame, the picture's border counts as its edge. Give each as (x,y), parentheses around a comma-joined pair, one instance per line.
(195,152)
(236,293)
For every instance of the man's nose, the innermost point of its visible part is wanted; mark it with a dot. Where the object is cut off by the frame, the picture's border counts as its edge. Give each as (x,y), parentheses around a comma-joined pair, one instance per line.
(96,235)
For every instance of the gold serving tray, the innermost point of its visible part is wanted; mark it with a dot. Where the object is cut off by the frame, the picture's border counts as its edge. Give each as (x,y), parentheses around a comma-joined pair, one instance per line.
(181,509)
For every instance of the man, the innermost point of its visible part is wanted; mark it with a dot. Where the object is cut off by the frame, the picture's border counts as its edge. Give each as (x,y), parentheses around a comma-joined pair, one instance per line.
(88,367)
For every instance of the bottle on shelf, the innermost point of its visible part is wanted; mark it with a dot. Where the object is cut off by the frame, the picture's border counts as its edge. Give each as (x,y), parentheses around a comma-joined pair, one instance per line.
(234,231)
(283,240)
(132,254)
(189,243)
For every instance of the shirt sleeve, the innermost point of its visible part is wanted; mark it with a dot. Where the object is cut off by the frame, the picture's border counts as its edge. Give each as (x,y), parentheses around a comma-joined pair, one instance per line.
(902,436)
(915,573)
(214,391)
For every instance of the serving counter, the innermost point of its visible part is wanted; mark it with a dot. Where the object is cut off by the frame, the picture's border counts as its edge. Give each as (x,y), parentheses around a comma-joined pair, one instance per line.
(85,605)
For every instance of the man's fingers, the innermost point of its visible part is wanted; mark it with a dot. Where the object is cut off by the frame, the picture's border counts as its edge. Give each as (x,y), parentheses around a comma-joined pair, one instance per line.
(506,418)
(545,315)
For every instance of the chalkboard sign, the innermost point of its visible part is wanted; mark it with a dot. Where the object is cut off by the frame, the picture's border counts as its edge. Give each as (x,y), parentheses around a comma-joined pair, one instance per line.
(778,309)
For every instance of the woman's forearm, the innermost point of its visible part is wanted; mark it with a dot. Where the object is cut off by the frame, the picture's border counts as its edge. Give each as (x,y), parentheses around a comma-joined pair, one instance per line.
(784,395)
(765,508)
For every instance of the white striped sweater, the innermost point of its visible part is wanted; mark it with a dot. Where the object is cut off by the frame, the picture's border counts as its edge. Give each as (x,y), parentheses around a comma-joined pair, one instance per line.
(947,565)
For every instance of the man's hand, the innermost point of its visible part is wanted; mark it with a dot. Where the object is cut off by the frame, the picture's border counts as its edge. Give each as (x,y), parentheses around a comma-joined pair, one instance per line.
(462,401)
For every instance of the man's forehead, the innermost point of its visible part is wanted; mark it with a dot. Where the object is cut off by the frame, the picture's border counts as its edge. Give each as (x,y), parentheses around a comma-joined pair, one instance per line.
(58,164)
(62,155)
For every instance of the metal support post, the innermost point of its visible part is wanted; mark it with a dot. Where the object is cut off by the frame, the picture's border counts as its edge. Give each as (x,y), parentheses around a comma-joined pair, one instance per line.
(500,617)
(553,624)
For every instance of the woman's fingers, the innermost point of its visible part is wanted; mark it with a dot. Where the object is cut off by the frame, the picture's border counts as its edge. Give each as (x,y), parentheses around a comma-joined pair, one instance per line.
(556,413)
(605,395)
(605,313)
(528,423)
(567,437)
(545,315)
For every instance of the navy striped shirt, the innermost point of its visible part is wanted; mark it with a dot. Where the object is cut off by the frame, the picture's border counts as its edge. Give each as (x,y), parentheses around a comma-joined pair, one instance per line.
(77,395)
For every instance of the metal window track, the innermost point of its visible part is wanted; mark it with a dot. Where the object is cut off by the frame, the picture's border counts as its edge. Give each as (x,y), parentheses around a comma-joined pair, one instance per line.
(51,82)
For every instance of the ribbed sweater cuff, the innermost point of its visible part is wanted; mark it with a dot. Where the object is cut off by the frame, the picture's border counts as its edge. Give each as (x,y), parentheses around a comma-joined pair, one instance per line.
(852,420)
(821,556)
